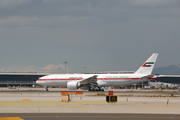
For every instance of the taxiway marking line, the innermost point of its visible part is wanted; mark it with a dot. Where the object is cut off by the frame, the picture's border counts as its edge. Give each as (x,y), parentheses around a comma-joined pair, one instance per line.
(37,116)
(116,117)
(135,117)
(10,118)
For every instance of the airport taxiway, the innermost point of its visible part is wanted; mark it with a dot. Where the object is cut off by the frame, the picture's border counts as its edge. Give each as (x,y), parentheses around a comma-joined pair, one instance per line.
(50,102)
(87,116)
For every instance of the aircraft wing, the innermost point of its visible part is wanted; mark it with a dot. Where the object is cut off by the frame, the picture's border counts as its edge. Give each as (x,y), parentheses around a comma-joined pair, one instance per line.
(92,79)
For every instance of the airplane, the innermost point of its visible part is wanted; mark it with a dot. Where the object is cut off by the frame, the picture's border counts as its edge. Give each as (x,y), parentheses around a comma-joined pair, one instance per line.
(95,82)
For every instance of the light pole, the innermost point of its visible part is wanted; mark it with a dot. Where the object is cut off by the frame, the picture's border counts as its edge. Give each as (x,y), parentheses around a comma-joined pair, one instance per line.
(59,70)
(84,69)
(65,66)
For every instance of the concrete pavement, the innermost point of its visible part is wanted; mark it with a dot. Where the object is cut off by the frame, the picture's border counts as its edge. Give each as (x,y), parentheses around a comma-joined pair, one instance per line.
(40,102)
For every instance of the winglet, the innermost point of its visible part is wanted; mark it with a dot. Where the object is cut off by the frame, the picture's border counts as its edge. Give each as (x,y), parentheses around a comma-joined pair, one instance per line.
(148,66)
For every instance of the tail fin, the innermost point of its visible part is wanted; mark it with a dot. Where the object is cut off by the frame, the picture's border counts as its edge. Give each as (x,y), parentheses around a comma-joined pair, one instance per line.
(148,66)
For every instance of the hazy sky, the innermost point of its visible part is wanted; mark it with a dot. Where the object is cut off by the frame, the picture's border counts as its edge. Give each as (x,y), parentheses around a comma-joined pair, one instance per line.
(119,35)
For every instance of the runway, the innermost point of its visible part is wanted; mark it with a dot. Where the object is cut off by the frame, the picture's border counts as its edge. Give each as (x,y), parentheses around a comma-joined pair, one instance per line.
(86,116)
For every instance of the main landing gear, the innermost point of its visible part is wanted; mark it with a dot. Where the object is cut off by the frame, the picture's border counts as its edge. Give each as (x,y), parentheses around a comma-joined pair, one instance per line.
(96,89)
(46,87)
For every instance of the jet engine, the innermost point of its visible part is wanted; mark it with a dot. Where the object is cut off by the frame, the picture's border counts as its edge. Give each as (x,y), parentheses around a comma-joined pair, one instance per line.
(73,85)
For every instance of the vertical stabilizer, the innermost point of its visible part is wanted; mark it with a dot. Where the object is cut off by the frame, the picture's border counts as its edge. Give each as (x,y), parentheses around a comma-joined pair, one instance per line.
(148,66)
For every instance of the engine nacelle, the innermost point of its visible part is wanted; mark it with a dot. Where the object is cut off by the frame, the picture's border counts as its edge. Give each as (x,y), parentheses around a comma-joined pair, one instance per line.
(73,85)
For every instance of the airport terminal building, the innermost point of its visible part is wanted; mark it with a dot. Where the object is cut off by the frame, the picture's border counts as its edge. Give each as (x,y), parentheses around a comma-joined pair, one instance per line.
(29,79)
(19,79)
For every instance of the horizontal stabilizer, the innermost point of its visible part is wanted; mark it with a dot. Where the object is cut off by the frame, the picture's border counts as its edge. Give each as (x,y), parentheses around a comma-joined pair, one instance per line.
(147,76)
(169,75)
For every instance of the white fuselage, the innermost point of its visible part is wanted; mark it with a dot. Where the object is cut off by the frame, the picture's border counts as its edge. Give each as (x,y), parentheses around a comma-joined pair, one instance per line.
(85,81)
(102,79)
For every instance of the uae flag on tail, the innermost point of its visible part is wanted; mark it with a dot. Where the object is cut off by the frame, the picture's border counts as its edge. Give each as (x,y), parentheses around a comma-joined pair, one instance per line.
(148,64)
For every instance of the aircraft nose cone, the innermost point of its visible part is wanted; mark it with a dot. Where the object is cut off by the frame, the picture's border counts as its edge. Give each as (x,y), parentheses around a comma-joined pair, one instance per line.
(37,81)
